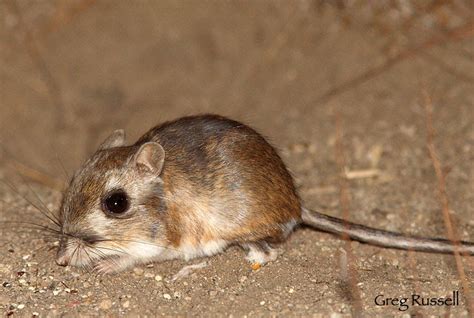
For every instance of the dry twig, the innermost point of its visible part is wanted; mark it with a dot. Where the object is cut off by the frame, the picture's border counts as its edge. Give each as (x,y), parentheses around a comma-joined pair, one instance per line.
(344,198)
(443,198)
(459,33)
(36,176)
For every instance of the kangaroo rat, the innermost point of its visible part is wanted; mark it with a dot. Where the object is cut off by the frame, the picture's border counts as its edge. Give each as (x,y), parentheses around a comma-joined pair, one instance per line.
(189,188)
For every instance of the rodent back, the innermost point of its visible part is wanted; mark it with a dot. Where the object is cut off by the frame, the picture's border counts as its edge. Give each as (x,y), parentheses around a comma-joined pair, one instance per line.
(229,166)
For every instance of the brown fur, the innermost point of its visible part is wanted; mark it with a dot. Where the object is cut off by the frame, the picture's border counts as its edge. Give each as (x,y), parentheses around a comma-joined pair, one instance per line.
(220,182)
(209,156)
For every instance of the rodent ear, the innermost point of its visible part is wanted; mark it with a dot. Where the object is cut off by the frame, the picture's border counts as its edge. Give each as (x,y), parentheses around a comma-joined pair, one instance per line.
(116,139)
(151,157)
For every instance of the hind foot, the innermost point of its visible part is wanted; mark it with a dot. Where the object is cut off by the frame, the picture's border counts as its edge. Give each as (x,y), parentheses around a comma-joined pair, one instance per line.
(187,270)
(260,253)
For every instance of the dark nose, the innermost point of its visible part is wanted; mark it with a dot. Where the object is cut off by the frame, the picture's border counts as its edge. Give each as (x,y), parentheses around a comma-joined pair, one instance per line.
(62,260)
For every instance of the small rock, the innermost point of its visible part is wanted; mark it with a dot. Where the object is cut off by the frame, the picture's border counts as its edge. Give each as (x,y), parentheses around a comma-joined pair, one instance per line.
(243,279)
(262,302)
(158,278)
(138,271)
(105,304)
(21,306)
(256,266)
(167,296)
(291,290)
(126,304)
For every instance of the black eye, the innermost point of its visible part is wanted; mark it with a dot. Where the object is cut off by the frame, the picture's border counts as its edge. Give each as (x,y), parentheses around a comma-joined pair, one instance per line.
(116,203)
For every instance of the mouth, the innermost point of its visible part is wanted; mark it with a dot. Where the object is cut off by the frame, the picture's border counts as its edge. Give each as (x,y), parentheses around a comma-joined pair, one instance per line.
(83,254)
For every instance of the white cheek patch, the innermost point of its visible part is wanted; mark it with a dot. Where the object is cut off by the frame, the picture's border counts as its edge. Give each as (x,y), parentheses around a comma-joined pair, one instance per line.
(99,222)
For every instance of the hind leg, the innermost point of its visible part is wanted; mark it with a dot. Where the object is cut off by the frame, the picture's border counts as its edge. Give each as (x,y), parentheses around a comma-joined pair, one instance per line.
(260,252)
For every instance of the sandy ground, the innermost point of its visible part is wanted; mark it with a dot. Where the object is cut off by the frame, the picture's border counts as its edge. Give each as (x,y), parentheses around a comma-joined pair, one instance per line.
(72,72)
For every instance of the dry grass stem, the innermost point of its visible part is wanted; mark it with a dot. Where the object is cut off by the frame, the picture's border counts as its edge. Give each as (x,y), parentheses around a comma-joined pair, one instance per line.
(443,198)
(462,32)
(344,198)
(361,174)
(37,176)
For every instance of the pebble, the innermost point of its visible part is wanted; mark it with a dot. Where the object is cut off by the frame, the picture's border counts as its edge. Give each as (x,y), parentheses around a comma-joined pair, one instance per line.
(167,296)
(158,278)
(291,290)
(243,279)
(105,304)
(138,271)
(262,302)
(126,304)
(21,306)
(149,275)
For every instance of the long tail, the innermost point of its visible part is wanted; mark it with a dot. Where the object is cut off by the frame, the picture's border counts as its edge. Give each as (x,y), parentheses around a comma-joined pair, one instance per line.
(373,236)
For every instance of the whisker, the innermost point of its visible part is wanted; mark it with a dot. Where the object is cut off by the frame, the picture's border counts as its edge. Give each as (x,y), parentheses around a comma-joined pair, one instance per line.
(137,241)
(73,252)
(58,159)
(40,201)
(111,249)
(17,192)
(88,267)
(33,226)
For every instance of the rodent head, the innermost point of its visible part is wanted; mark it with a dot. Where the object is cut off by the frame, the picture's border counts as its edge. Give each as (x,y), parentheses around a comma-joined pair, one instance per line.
(109,210)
